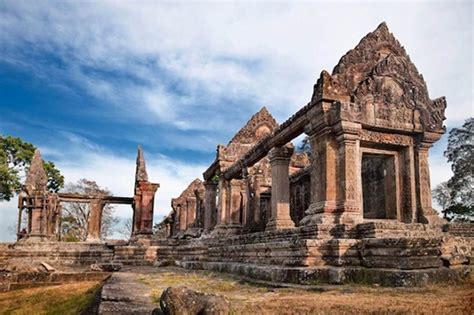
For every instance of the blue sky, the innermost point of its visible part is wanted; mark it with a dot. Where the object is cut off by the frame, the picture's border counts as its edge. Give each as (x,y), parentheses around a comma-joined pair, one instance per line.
(87,82)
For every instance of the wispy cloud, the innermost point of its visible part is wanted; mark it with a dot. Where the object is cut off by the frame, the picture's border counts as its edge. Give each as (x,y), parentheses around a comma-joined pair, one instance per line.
(168,61)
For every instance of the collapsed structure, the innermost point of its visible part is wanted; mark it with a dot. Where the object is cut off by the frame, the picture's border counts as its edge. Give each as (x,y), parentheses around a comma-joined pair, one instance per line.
(44,208)
(355,208)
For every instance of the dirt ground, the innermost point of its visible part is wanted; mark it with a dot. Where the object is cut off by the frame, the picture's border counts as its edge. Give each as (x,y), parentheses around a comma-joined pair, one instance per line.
(250,298)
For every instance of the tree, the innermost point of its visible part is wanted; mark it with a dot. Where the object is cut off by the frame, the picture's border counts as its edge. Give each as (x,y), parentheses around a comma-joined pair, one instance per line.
(75,215)
(460,204)
(125,230)
(15,159)
(442,195)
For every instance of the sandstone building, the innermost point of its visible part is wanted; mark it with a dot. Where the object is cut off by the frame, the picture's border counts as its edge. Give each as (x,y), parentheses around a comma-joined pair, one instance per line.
(355,208)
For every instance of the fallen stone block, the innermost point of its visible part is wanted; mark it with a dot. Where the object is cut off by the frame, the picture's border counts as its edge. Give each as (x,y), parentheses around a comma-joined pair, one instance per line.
(184,301)
(108,267)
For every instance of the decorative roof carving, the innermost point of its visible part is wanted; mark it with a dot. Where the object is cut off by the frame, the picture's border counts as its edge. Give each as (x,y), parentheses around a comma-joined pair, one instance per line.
(36,180)
(140,173)
(189,192)
(379,77)
(259,125)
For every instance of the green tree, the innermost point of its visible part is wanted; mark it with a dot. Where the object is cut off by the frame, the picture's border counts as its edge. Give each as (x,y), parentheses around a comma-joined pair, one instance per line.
(15,159)
(456,196)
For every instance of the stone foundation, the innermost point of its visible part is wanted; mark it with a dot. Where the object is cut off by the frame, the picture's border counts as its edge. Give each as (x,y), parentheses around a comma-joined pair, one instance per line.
(384,252)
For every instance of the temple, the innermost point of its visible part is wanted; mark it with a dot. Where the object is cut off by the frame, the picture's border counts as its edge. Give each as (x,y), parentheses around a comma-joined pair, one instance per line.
(370,125)
(354,206)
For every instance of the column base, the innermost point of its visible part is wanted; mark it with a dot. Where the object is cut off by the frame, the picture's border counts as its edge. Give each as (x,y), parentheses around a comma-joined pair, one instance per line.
(330,215)
(93,240)
(33,239)
(431,217)
(228,229)
(279,224)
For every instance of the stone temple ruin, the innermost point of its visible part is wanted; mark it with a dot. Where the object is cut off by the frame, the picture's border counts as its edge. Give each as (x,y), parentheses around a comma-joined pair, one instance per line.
(44,208)
(355,208)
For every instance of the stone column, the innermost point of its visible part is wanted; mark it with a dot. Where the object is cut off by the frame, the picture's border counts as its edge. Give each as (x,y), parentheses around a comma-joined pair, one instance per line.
(181,217)
(221,221)
(37,217)
(191,212)
(235,204)
(209,204)
(323,177)
(408,214)
(280,162)
(247,194)
(257,188)
(144,207)
(143,200)
(349,199)
(426,213)
(94,223)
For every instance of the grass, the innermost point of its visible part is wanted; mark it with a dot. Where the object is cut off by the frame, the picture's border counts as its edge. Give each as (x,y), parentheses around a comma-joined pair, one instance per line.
(73,298)
(246,298)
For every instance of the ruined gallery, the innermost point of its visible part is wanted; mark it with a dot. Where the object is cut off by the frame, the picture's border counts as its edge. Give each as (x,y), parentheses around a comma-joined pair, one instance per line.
(355,206)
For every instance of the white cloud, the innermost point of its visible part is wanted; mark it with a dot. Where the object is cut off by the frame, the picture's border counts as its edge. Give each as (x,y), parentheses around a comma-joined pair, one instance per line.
(272,53)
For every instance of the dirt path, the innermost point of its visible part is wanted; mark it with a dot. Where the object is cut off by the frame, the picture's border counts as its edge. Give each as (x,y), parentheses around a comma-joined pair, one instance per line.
(248,298)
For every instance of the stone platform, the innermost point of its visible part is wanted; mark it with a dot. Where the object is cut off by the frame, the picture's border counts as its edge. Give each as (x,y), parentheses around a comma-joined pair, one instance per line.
(386,253)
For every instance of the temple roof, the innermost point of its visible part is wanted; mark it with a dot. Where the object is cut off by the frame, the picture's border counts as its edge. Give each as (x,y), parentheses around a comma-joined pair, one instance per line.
(141,174)
(378,72)
(196,184)
(250,132)
(36,180)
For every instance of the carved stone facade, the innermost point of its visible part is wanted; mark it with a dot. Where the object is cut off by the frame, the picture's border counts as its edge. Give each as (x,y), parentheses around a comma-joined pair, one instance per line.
(358,210)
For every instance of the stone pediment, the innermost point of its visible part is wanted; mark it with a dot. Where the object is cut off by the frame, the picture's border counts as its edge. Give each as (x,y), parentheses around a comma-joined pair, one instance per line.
(377,84)
(189,192)
(258,127)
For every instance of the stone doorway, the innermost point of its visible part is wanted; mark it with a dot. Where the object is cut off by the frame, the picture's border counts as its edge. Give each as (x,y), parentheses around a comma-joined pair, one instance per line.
(379,191)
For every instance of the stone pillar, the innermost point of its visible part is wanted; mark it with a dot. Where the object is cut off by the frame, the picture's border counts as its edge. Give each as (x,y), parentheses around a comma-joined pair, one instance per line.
(94,223)
(235,203)
(257,189)
(143,200)
(37,217)
(191,212)
(323,177)
(408,214)
(247,195)
(426,213)
(280,200)
(37,191)
(349,199)
(221,221)
(181,217)
(209,204)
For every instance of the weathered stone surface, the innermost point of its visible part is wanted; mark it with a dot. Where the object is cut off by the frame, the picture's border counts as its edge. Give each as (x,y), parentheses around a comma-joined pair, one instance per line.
(124,294)
(36,180)
(184,301)
(108,267)
(356,207)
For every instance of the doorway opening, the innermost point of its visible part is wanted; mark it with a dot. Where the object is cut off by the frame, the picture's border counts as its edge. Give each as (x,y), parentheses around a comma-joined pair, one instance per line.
(379,186)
